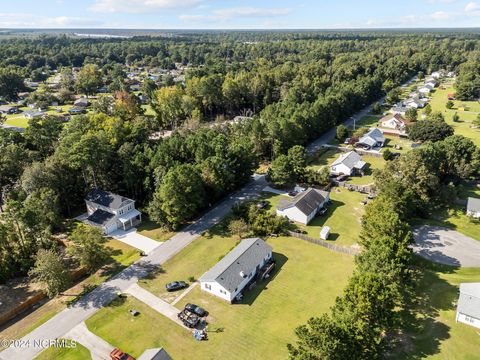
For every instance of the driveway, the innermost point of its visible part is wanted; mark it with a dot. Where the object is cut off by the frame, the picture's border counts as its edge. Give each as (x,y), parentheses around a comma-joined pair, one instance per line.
(99,348)
(446,246)
(133,238)
(155,303)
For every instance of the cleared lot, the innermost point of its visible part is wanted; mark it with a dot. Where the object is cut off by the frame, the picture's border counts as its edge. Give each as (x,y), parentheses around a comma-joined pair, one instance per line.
(446,246)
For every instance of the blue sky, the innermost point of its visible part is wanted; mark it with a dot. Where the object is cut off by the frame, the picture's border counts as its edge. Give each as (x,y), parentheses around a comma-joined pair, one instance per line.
(240,14)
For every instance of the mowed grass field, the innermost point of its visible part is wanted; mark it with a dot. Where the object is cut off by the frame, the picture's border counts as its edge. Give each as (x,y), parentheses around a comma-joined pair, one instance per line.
(431,330)
(79,352)
(464,126)
(306,282)
(343,216)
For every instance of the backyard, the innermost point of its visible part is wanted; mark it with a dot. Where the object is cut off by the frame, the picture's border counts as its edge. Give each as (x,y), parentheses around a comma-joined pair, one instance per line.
(307,280)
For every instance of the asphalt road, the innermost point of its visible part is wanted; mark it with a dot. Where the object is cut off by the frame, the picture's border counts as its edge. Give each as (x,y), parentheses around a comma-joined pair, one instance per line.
(446,246)
(67,319)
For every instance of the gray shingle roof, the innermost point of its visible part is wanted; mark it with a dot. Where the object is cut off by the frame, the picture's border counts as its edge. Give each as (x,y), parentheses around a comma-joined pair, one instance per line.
(469,300)
(243,258)
(307,201)
(100,217)
(349,159)
(372,137)
(473,204)
(107,199)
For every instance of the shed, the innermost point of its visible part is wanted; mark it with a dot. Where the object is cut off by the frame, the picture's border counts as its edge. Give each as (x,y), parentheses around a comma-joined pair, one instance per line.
(324,233)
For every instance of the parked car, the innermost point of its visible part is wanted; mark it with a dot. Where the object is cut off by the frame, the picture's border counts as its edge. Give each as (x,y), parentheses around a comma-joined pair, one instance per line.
(342,178)
(176,285)
(188,318)
(196,310)
(292,193)
(118,354)
(371,196)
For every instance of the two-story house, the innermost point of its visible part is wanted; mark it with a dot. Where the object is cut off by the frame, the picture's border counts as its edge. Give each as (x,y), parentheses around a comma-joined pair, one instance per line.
(110,211)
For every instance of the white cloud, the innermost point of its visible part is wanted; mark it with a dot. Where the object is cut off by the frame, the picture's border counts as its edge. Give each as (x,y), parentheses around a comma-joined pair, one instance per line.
(27,20)
(222,15)
(441,15)
(473,8)
(140,6)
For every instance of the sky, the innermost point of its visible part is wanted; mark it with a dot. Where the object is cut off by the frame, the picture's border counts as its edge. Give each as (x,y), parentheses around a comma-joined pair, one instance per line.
(240,14)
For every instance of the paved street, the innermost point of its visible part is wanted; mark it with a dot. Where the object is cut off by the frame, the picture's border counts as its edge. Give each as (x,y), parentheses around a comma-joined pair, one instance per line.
(67,319)
(63,322)
(446,246)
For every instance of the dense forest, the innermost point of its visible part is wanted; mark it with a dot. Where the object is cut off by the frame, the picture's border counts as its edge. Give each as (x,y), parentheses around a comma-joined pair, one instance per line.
(296,85)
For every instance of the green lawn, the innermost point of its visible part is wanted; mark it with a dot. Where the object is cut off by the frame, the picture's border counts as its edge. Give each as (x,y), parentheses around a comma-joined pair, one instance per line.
(209,249)
(148,110)
(343,216)
(78,353)
(431,328)
(368,121)
(306,282)
(16,120)
(154,231)
(463,127)
(391,141)
(454,216)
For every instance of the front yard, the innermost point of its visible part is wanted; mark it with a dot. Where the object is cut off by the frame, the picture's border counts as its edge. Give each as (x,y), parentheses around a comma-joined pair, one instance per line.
(307,280)
(77,353)
(154,231)
(192,261)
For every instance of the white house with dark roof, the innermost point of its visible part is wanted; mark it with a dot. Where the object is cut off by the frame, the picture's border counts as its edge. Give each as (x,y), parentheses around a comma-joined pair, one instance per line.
(303,207)
(235,271)
(110,211)
(468,306)
(372,139)
(347,164)
(473,207)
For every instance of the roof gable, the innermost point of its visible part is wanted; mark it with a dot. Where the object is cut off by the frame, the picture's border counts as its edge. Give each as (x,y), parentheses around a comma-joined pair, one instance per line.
(244,258)
(349,159)
(307,201)
(107,199)
(473,204)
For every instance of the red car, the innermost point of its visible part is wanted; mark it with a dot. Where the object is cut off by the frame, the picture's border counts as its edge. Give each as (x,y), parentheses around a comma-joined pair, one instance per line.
(118,354)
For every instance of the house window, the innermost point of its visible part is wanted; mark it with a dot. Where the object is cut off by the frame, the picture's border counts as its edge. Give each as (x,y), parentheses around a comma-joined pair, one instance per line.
(469,319)
(208,287)
(223,292)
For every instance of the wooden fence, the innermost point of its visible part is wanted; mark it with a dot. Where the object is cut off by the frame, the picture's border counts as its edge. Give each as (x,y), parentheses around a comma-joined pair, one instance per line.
(326,244)
(35,299)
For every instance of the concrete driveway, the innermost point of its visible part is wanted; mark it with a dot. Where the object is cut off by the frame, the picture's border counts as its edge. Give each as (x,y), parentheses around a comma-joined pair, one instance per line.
(99,348)
(446,246)
(132,238)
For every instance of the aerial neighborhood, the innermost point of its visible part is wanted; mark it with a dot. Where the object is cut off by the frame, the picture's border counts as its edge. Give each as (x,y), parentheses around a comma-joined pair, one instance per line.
(246,194)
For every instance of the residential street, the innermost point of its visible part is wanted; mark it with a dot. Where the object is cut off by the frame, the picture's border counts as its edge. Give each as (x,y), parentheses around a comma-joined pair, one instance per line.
(66,320)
